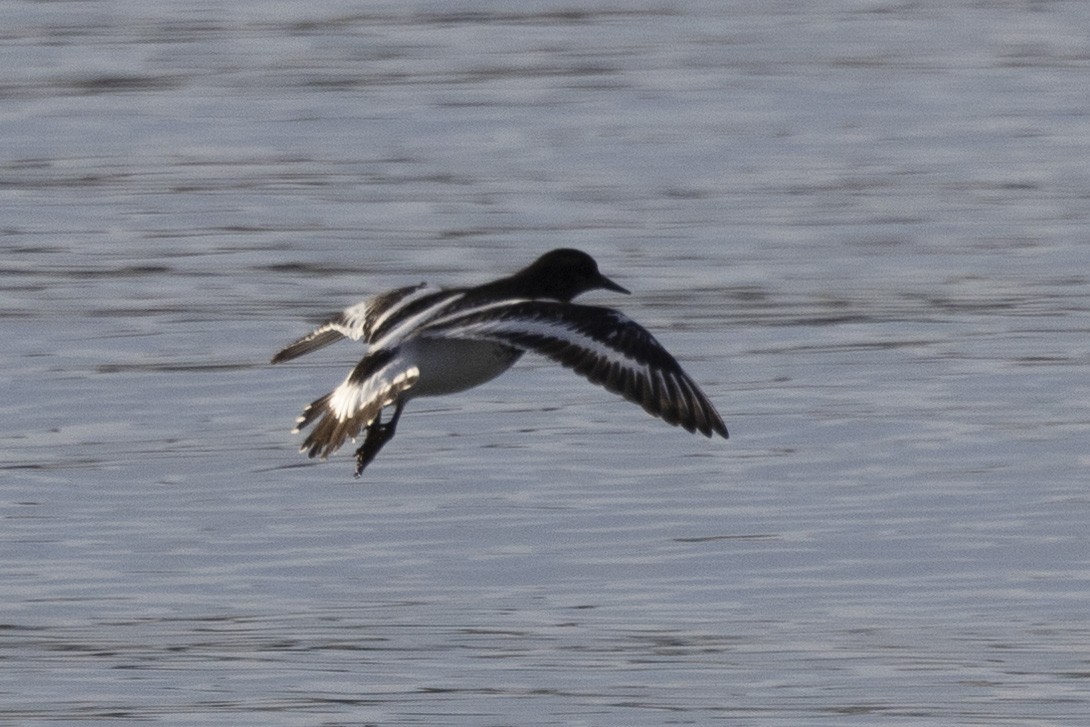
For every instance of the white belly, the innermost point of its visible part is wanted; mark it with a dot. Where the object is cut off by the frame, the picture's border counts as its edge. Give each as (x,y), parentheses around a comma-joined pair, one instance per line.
(448,366)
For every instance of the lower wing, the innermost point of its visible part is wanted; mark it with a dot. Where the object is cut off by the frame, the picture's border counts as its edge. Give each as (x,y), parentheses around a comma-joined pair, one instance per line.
(601,344)
(376,382)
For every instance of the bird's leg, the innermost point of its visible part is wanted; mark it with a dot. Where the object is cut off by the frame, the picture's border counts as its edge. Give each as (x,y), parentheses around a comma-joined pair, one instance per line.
(376,435)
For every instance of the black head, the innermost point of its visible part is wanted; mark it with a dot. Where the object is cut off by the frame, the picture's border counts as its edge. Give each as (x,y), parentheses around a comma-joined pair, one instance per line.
(563,274)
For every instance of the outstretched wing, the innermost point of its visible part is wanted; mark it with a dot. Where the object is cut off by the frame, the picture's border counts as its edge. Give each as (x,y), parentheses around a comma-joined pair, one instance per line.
(362,320)
(376,382)
(601,344)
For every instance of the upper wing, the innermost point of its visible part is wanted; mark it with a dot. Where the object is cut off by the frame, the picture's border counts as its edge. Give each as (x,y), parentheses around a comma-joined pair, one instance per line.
(362,320)
(376,382)
(605,346)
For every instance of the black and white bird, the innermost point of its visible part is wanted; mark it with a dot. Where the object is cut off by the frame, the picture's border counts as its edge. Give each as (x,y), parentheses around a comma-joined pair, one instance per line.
(428,341)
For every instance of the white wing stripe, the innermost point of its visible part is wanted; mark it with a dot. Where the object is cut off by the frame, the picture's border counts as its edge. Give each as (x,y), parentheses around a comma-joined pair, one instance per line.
(543,329)
(410,324)
(617,361)
(384,315)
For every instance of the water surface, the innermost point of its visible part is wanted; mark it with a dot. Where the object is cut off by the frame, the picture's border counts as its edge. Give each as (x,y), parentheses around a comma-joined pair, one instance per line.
(861,228)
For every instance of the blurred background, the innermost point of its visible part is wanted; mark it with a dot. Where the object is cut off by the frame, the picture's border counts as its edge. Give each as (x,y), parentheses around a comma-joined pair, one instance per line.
(862,227)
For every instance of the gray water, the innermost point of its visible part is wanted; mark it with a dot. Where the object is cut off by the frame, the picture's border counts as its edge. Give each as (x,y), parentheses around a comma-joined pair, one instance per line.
(861,226)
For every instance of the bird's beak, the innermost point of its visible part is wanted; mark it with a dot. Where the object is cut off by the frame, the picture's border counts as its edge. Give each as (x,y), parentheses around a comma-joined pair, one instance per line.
(608,284)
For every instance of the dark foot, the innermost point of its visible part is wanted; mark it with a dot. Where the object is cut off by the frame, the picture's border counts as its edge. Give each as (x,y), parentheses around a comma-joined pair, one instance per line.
(376,435)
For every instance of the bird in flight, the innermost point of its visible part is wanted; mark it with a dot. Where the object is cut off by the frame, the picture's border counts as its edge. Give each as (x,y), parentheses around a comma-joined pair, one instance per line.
(429,341)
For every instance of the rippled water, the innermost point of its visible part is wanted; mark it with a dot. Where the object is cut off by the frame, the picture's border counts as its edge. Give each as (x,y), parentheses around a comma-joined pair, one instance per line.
(862,227)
